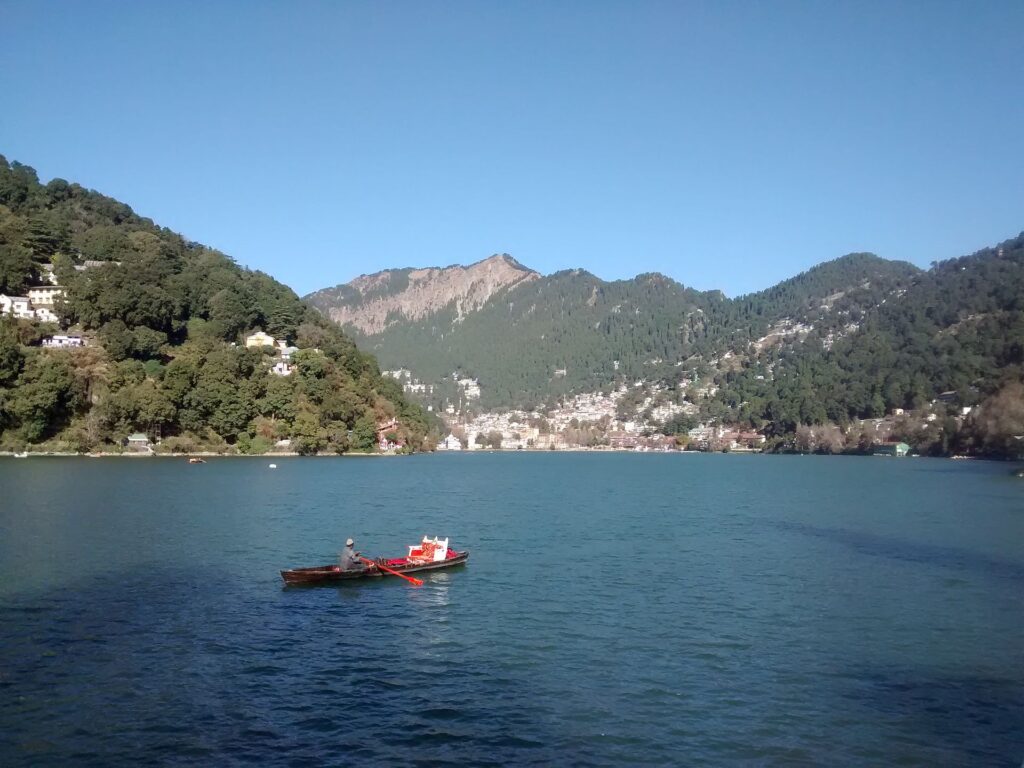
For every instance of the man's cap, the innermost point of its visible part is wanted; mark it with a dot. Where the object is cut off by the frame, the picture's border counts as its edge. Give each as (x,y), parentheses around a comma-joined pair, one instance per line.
(349,543)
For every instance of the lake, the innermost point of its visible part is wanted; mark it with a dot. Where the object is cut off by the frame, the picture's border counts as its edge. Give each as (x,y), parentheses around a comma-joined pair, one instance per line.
(617,609)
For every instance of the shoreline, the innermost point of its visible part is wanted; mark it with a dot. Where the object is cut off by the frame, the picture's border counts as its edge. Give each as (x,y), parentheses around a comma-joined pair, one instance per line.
(194,454)
(293,454)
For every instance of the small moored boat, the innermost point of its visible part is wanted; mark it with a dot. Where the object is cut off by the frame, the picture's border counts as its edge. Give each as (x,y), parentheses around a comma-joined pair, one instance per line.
(430,555)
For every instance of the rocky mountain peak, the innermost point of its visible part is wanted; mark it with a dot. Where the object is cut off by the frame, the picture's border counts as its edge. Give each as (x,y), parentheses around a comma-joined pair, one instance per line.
(373,302)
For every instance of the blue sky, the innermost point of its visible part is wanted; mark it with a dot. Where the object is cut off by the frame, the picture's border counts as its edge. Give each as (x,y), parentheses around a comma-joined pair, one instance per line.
(726,144)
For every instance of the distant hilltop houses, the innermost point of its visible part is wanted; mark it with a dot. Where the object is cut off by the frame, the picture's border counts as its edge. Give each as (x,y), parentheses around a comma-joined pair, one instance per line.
(586,420)
(467,386)
(409,384)
(64,342)
(450,443)
(41,302)
(38,305)
(284,351)
(598,421)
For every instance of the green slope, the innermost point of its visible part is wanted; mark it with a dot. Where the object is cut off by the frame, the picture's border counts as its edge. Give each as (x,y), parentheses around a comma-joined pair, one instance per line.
(959,327)
(572,332)
(167,318)
(852,338)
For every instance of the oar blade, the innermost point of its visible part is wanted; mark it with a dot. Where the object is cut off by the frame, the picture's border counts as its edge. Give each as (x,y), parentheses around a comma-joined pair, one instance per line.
(410,579)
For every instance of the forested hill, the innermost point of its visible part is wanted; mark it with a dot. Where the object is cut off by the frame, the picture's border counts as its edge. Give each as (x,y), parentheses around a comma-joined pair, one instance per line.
(165,321)
(568,332)
(957,328)
(572,332)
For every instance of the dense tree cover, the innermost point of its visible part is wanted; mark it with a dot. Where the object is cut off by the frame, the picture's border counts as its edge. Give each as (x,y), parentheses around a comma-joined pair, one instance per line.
(170,317)
(853,338)
(829,296)
(540,340)
(996,428)
(957,328)
(572,332)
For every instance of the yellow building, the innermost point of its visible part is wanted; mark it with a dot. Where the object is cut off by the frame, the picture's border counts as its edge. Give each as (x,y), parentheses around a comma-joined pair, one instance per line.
(260,339)
(45,296)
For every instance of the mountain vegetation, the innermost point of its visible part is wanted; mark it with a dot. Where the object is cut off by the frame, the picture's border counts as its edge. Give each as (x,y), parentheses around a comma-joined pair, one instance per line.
(572,332)
(166,320)
(547,338)
(854,338)
(957,328)
(803,362)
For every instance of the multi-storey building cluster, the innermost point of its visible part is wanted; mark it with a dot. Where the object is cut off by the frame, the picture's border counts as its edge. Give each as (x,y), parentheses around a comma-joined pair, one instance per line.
(584,420)
(39,304)
(410,385)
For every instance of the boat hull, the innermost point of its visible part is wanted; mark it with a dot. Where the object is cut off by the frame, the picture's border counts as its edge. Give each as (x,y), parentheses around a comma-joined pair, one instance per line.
(331,574)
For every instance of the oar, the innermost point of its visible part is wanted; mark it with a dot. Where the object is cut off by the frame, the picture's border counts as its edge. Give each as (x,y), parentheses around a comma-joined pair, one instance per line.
(410,579)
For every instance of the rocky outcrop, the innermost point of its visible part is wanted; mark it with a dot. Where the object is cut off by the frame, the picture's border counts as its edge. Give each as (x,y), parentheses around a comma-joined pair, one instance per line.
(371,303)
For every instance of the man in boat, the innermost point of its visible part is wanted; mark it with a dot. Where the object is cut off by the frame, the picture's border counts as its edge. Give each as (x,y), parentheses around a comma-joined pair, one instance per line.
(349,558)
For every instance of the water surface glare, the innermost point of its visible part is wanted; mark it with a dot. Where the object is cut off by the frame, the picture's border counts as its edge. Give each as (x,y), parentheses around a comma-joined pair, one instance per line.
(616,610)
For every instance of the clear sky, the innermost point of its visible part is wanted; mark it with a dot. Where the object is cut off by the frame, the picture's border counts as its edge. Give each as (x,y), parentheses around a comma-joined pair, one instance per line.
(726,144)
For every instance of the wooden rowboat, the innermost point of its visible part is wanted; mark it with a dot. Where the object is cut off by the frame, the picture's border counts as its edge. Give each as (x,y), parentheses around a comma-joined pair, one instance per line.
(332,574)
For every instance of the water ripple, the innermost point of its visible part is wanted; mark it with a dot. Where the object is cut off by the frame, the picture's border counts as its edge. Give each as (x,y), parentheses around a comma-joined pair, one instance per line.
(616,610)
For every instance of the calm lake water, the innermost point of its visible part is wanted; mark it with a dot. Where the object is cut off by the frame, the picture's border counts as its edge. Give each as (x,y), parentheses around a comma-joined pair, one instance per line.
(616,610)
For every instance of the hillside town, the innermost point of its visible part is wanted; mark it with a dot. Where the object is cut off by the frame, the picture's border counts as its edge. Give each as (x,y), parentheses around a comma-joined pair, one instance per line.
(633,418)
(591,421)
(583,425)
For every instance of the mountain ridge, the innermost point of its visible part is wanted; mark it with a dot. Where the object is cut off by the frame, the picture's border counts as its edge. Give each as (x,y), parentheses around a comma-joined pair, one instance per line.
(371,302)
(591,331)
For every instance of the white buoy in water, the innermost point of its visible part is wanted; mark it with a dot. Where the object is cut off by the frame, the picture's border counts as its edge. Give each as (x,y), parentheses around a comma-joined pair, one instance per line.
(273,466)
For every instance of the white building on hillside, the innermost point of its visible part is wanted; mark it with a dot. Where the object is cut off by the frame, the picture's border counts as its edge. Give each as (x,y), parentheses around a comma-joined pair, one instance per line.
(45,296)
(46,315)
(471,387)
(63,342)
(95,264)
(281,368)
(450,443)
(19,306)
